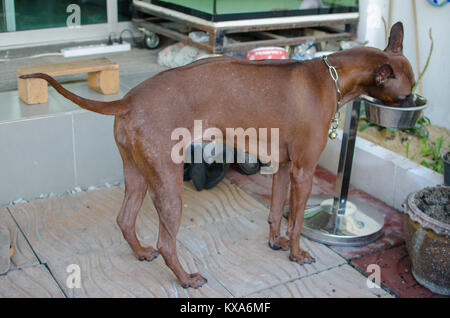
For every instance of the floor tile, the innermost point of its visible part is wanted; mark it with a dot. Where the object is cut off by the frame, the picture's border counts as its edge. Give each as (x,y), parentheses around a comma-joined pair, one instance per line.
(117,273)
(339,282)
(236,253)
(23,254)
(395,272)
(259,186)
(81,229)
(86,221)
(70,224)
(33,281)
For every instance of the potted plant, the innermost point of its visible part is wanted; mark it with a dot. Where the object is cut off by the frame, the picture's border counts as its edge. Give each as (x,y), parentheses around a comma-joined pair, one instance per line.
(446,160)
(427,235)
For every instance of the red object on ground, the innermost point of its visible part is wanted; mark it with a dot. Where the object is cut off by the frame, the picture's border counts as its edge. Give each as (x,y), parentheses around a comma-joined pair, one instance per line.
(267,53)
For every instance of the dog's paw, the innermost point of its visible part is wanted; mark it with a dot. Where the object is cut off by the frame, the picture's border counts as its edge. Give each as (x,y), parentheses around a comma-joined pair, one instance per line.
(194,281)
(147,254)
(303,257)
(280,243)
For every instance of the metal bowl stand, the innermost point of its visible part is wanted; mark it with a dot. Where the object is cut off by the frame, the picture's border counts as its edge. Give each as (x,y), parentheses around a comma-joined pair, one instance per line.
(337,221)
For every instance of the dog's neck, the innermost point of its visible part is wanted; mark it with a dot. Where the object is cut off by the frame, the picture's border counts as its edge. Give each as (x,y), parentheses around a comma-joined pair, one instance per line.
(356,70)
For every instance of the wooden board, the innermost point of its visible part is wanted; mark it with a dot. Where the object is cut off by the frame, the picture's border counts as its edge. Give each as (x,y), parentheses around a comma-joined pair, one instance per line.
(58,69)
(103,76)
(29,282)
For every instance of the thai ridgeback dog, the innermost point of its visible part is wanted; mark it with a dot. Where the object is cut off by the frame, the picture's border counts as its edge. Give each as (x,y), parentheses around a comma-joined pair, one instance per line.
(297,97)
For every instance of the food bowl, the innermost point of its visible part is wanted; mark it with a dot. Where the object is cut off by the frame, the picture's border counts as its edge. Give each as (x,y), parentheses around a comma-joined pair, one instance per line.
(393,117)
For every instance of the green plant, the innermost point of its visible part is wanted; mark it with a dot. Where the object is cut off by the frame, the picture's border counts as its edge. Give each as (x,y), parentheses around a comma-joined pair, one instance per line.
(368,124)
(433,150)
(420,129)
(426,64)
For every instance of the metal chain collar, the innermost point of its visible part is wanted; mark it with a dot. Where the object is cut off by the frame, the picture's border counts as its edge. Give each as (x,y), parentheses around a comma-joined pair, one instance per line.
(337,116)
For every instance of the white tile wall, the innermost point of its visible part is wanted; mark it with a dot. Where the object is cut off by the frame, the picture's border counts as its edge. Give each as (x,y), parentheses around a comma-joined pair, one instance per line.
(97,159)
(55,147)
(36,157)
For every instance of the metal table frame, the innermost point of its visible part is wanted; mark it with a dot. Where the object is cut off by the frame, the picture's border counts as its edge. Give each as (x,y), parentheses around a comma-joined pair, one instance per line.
(218,30)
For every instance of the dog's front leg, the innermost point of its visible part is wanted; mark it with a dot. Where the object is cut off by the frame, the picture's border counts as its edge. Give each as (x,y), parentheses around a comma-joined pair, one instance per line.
(280,184)
(301,185)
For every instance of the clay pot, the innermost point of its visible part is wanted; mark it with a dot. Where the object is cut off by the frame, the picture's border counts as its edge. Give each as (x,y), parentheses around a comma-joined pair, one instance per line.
(428,244)
(446,160)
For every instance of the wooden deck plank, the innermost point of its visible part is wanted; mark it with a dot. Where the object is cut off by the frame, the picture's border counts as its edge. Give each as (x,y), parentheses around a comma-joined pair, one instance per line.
(23,254)
(223,236)
(5,251)
(117,273)
(86,221)
(65,68)
(340,282)
(237,254)
(34,281)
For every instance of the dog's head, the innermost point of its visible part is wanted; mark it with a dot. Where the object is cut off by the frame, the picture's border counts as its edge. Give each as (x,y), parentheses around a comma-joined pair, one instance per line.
(394,80)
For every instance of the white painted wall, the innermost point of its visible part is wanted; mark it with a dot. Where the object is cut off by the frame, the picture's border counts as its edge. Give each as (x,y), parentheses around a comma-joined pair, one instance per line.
(436,81)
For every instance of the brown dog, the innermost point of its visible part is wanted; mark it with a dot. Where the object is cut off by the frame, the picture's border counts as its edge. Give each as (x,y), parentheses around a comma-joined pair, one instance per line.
(298,98)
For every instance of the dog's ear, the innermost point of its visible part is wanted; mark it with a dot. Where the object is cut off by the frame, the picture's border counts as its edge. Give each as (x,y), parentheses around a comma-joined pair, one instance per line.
(383,73)
(395,45)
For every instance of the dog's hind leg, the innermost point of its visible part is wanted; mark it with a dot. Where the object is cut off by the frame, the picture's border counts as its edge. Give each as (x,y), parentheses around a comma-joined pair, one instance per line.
(166,187)
(135,191)
(280,184)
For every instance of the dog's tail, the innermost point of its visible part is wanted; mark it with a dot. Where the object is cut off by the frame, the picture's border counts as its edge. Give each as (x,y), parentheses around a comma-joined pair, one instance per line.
(116,108)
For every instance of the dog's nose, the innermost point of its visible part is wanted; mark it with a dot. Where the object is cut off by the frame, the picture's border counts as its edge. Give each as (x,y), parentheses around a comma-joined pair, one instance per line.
(408,101)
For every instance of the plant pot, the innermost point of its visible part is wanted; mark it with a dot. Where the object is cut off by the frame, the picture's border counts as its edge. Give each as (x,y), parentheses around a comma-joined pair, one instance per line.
(393,117)
(428,239)
(446,159)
